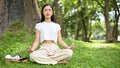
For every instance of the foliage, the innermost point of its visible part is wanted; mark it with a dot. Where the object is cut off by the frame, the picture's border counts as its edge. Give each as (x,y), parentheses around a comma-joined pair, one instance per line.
(43,2)
(97,27)
(91,10)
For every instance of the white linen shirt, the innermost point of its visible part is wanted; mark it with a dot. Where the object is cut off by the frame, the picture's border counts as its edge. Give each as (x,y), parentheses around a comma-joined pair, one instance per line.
(48,31)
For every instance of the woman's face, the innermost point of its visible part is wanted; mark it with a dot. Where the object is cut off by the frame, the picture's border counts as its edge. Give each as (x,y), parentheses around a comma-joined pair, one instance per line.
(47,12)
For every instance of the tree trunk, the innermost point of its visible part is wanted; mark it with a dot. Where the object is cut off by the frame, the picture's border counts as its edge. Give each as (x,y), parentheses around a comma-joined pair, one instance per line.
(84,30)
(117,14)
(77,28)
(115,32)
(3,16)
(58,17)
(18,11)
(107,22)
(32,15)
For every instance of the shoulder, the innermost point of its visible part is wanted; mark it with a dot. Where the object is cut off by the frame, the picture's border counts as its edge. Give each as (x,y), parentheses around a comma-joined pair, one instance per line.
(56,24)
(39,23)
(38,26)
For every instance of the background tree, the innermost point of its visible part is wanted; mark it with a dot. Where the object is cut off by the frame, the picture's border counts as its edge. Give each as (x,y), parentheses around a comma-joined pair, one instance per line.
(111,30)
(115,6)
(78,18)
(25,11)
(59,17)
(77,22)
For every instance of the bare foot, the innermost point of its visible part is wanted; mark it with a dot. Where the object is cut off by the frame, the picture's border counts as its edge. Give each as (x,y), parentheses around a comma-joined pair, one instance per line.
(19,60)
(15,60)
(63,62)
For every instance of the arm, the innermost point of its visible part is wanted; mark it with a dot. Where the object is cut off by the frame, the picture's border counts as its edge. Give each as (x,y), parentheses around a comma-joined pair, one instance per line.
(36,42)
(61,42)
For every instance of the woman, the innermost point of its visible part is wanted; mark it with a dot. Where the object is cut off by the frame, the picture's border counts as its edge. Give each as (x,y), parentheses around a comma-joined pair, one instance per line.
(48,34)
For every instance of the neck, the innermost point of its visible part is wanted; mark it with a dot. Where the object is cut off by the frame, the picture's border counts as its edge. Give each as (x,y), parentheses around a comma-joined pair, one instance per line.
(48,20)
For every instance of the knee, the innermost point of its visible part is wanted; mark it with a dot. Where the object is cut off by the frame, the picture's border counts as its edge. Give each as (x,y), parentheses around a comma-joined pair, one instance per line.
(69,52)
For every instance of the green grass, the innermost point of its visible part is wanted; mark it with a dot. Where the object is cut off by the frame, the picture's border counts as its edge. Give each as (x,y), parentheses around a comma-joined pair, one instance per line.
(94,54)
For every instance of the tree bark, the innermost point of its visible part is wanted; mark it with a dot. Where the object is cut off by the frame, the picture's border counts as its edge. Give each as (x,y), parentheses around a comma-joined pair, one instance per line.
(3,16)
(58,18)
(117,14)
(77,28)
(107,22)
(25,11)
(84,30)
(32,15)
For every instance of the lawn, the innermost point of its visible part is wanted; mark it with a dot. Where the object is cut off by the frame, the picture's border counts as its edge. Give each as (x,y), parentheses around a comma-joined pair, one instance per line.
(95,54)
(86,55)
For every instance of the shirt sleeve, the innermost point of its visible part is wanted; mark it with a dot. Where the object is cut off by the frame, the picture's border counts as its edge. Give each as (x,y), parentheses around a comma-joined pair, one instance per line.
(37,26)
(58,27)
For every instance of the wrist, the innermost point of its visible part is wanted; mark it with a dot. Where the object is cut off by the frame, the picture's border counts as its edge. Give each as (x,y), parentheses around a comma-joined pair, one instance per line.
(31,50)
(68,47)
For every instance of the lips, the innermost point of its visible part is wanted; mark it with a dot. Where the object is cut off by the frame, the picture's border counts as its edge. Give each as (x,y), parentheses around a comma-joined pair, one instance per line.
(47,14)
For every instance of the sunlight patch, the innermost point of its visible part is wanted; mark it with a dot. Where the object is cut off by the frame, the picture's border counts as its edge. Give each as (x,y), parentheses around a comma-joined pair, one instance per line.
(104,46)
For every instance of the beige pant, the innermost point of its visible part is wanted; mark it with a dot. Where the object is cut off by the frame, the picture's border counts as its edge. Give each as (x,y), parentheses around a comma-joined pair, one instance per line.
(50,54)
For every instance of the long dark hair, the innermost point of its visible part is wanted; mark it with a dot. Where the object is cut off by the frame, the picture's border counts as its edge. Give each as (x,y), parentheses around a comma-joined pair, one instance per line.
(43,17)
